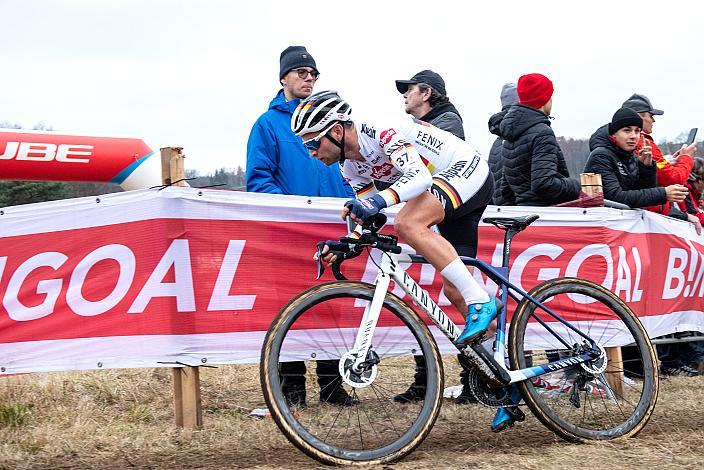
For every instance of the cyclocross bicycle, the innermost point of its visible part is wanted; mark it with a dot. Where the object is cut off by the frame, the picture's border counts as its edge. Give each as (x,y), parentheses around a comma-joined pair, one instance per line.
(559,351)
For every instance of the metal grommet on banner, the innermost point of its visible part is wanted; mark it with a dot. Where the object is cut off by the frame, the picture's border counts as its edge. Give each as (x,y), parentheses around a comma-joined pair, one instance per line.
(310,201)
(97,200)
(100,364)
(204,360)
(2,212)
(200,193)
(2,369)
(584,212)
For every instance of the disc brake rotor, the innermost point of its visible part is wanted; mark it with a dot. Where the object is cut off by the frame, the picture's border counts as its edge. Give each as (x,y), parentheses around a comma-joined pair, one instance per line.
(366,376)
(598,365)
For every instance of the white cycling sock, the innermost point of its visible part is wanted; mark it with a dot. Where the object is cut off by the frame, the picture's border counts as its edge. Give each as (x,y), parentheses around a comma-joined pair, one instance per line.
(456,272)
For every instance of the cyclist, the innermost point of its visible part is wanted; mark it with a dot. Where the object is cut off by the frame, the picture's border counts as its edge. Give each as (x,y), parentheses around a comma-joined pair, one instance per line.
(442,180)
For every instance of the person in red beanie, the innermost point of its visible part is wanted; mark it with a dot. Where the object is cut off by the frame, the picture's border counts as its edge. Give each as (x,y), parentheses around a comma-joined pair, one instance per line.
(535,172)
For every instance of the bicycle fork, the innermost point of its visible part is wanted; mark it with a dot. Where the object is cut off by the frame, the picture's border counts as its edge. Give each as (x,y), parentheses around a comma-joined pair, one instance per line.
(360,356)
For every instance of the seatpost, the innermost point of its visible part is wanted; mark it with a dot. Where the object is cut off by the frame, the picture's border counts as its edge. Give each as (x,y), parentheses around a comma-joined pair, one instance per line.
(507,246)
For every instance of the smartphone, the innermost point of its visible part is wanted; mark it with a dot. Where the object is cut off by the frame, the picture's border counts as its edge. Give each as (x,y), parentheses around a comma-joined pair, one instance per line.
(692,136)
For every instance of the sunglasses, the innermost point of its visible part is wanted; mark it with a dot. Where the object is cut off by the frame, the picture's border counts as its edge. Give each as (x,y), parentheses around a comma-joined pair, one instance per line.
(313,145)
(303,73)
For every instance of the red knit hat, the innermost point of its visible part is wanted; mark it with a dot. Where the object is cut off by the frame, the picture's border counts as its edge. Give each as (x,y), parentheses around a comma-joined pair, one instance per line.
(534,90)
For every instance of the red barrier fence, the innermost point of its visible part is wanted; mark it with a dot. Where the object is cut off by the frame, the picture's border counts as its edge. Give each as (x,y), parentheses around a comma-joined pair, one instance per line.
(152,278)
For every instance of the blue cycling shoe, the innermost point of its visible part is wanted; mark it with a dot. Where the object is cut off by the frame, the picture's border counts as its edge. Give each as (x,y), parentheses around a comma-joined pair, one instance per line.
(479,316)
(507,416)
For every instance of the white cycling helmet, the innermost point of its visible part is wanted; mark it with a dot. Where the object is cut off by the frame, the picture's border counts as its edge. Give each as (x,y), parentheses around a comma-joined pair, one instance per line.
(318,112)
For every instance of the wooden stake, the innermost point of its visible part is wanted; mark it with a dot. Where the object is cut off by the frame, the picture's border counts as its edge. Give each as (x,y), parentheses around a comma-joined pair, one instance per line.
(591,183)
(614,371)
(187,404)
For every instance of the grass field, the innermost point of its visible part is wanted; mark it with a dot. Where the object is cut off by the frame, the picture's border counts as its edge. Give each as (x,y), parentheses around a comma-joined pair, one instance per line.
(124,419)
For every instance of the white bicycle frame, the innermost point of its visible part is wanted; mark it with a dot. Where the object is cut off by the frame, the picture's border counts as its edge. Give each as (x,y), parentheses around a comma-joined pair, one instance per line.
(389,269)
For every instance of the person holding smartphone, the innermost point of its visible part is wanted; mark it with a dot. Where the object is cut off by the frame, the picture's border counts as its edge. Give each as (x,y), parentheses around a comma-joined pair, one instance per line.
(674,170)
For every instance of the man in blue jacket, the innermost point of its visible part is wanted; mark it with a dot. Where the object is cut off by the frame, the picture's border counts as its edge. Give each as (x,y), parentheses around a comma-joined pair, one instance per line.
(278,163)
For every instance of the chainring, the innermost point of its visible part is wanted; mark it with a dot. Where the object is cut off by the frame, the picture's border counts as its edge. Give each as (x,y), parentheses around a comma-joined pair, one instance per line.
(486,395)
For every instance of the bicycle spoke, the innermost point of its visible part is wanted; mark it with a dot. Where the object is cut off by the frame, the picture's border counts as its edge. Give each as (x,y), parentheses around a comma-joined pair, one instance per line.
(374,421)
(611,403)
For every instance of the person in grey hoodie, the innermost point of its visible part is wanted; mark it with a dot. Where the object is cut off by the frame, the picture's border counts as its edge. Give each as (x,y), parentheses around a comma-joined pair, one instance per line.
(426,100)
(509,97)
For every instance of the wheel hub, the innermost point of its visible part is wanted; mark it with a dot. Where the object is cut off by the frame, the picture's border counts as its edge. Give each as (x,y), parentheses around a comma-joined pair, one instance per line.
(367,369)
(598,365)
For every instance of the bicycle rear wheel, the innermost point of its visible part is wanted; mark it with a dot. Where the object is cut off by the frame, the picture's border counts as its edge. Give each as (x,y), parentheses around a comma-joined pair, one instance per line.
(603,399)
(321,324)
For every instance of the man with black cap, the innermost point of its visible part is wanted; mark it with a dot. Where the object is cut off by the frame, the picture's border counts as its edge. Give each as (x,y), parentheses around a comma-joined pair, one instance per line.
(627,178)
(426,100)
(675,171)
(278,163)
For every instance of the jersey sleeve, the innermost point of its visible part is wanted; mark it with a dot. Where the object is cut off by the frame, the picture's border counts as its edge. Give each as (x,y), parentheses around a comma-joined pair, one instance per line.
(404,157)
(362,186)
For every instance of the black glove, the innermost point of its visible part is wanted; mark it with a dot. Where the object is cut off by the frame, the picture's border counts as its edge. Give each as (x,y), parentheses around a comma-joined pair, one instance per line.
(365,209)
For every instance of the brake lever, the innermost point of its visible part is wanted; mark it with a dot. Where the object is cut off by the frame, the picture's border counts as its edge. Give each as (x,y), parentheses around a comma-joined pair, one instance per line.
(321,266)
(336,267)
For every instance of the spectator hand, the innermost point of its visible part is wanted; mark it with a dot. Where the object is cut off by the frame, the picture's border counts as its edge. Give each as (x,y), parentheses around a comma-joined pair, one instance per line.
(645,155)
(360,210)
(690,150)
(697,224)
(676,192)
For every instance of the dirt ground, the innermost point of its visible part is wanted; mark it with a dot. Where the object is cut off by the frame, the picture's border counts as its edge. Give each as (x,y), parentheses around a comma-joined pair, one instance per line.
(124,419)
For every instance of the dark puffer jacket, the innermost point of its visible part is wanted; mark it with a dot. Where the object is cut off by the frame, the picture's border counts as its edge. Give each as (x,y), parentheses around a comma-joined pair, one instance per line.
(495,163)
(535,172)
(624,177)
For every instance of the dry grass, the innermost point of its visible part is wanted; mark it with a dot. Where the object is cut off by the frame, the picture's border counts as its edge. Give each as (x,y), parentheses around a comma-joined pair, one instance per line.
(123,419)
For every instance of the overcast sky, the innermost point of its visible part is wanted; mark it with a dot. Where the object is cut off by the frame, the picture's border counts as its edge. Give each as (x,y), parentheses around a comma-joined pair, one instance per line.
(197,74)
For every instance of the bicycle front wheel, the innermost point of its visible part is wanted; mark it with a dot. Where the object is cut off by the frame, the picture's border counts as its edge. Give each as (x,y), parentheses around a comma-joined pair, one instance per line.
(363,423)
(602,399)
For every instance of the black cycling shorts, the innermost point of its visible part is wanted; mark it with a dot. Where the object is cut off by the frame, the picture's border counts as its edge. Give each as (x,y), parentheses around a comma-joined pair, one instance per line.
(461,223)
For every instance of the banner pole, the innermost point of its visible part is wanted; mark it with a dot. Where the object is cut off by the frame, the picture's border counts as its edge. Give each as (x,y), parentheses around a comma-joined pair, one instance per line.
(188,410)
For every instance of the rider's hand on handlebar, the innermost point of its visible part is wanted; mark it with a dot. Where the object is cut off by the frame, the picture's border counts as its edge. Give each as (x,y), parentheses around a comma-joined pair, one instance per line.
(361,210)
(328,258)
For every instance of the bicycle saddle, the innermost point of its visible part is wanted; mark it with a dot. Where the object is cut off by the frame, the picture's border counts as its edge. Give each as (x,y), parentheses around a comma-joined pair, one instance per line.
(512,223)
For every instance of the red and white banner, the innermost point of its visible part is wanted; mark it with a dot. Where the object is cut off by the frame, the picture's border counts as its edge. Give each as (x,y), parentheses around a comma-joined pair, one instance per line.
(152,278)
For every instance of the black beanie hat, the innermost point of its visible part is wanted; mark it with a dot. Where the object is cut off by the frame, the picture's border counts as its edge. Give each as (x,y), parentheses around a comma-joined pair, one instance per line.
(293,57)
(624,117)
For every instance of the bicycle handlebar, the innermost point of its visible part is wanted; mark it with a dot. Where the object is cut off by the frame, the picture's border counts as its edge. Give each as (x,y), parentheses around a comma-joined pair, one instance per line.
(352,245)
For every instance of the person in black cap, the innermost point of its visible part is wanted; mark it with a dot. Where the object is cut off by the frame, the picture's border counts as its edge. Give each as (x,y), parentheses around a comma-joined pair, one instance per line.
(278,163)
(627,178)
(426,99)
(673,171)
